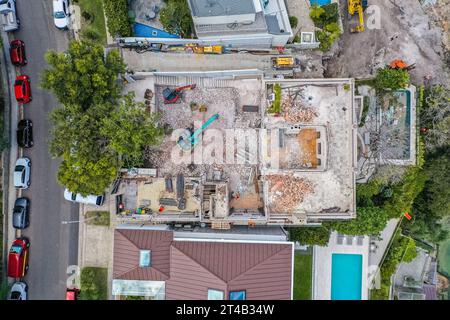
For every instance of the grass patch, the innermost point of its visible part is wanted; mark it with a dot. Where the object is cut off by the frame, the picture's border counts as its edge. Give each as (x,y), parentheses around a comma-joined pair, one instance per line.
(98,218)
(276,105)
(302,276)
(93,20)
(94,283)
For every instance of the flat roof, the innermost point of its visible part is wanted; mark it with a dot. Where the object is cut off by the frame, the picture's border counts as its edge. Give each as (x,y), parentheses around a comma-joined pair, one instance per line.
(212,8)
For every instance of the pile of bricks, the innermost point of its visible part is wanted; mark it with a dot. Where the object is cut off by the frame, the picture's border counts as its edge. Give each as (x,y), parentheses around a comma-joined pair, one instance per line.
(288,192)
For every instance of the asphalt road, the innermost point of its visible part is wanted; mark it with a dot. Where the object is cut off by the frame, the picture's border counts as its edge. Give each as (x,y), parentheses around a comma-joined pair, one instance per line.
(54,246)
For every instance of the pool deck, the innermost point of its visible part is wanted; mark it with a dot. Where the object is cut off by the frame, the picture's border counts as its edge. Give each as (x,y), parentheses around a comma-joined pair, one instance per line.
(322,260)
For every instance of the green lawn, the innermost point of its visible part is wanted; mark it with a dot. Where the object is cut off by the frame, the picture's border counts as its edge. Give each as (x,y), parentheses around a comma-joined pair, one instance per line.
(98,218)
(96,24)
(94,283)
(444,251)
(302,276)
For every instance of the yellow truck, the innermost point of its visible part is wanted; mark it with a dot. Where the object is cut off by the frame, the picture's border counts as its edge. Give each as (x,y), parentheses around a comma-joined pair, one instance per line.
(286,62)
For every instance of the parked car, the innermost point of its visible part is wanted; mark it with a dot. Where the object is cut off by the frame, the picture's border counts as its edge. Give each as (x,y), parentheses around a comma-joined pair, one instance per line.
(18,258)
(61,14)
(17,53)
(8,15)
(22,172)
(22,89)
(89,199)
(25,133)
(21,213)
(72,294)
(19,291)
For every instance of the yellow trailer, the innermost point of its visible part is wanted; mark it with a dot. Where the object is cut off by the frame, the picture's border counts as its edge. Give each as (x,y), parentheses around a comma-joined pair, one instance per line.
(283,62)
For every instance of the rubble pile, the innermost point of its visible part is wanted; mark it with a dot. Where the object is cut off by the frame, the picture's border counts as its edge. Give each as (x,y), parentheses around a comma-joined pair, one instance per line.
(296,111)
(287,192)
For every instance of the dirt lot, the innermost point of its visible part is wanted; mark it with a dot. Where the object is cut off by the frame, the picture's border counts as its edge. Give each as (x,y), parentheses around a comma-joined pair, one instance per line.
(406,33)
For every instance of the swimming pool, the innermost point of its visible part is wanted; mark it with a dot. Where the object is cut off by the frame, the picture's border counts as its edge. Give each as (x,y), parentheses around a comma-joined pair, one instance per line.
(144,31)
(346,276)
(319,2)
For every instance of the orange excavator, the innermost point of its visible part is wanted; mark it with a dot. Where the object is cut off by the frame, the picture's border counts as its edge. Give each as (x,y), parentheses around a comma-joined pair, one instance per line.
(399,64)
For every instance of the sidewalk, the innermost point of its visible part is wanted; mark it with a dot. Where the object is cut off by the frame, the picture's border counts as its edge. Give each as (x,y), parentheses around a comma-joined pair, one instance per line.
(95,244)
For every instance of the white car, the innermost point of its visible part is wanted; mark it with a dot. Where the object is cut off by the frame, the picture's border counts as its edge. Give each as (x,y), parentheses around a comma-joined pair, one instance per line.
(22,173)
(89,199)
(61,14)
(19,291)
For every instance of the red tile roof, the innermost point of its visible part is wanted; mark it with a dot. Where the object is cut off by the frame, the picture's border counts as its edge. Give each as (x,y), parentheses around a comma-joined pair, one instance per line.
(127,245)
(190,268)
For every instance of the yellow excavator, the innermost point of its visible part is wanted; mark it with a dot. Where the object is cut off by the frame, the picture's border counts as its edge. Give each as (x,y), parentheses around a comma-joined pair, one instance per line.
(357,6)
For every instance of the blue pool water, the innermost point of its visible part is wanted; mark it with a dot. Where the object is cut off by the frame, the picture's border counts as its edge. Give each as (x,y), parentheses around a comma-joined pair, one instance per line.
(144,31)
(320,2)
(346,276)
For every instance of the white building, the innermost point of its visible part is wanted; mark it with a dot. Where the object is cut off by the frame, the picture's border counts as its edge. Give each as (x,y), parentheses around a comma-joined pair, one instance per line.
(242,23)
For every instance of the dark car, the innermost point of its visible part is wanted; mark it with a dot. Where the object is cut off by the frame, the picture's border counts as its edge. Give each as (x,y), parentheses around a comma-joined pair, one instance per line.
(25,133)
(17,53)
(21,213)
(22,89)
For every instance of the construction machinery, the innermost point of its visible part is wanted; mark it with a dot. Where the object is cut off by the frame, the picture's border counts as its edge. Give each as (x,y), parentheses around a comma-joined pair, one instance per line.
(174,95)
(399,64)
(286,62)
(357,6)
(189,139)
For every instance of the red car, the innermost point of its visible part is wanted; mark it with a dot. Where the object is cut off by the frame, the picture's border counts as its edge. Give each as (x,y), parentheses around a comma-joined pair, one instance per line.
(18,258)
(22,89)
(17,53)
(72,294)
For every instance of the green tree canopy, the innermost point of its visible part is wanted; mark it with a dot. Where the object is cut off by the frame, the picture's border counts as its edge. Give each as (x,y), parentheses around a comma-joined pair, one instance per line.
(97,130)
(129,129)
(84,74)
(310,235)
(368,221)
(392,79)
(116,12)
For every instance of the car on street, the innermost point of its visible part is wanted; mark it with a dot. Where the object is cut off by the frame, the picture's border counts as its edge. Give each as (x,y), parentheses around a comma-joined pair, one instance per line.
(22,173)
(22,89)
(18,258)
(61,15)
(25,133)
(17,53)
(89,199)
(21,213)
(19,291)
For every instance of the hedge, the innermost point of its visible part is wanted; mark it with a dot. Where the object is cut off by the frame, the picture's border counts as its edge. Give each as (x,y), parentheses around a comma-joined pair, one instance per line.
(116,12)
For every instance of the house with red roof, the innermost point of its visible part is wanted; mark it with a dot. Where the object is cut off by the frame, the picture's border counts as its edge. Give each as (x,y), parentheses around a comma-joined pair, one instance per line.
(162,263)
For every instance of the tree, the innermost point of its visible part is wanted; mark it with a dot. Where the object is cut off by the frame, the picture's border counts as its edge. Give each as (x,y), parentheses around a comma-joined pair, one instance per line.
(435,116)
(84,74)
(369,221)
(97,130)
(129,129)
(176,18)
(392,79)
(85,176)
(310,235)
(293,21)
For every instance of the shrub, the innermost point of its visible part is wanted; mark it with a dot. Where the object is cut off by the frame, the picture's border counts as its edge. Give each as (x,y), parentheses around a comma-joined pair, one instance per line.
(368,221)
(310,235)
(391,79)
(176,18)
(276,106)
(86,15)
(116,12)
(293,21)
(90,34)
(94,283)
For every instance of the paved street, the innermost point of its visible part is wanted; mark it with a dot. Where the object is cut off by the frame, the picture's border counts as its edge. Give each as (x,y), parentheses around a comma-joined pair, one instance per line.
(54,246)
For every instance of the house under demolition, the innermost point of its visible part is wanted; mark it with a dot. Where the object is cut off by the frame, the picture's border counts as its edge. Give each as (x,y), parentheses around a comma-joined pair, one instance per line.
(243,150)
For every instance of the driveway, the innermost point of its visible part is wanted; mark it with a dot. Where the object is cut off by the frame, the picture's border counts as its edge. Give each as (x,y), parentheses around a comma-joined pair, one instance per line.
(54,246)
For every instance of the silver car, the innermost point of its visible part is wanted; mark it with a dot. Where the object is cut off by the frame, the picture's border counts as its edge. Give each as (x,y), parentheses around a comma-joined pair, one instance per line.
(19,291)
(22,173)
